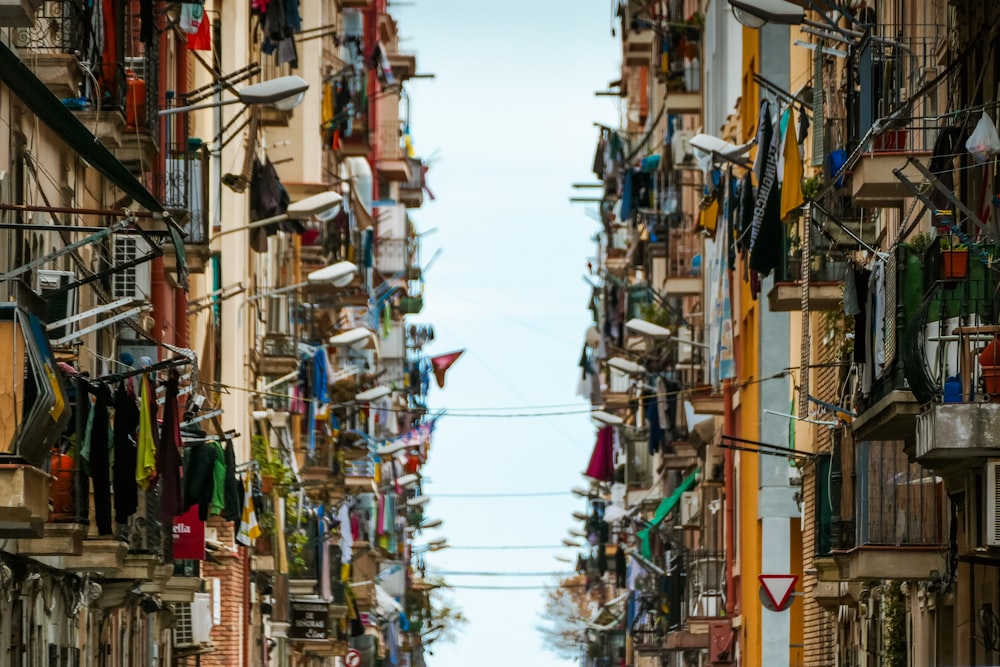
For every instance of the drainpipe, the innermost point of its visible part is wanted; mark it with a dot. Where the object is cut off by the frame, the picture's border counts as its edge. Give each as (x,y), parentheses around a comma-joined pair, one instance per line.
(728,427)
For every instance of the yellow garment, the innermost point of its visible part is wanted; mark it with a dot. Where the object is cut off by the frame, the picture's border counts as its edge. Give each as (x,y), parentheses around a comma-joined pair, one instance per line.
(710,216)
(249,528)
(791,187)
(145,460)
(327,109)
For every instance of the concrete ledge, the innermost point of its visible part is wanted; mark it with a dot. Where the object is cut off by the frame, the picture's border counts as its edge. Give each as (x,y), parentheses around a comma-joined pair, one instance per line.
(24,500)
(894,417)
(949,431)
(886,562)
(58,539)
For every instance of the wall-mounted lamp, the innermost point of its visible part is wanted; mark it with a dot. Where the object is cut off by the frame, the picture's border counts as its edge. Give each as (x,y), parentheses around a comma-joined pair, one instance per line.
(570,543)
(419,501)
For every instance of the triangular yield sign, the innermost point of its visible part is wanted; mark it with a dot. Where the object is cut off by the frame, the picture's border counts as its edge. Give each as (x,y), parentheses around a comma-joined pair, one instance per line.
(778,587)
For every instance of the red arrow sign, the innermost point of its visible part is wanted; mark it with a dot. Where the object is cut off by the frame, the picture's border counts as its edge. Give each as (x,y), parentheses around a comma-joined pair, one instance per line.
(778,587)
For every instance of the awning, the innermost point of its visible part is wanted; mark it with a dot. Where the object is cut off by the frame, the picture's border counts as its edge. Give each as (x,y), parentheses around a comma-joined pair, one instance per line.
(50,110)
(666,506)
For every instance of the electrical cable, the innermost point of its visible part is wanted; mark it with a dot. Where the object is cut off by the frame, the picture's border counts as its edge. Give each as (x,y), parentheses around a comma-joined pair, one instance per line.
(464,573)
(529,494)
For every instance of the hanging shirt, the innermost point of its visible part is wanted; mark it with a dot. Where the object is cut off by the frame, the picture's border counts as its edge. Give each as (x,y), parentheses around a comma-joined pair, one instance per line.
(168,456)
(124,468)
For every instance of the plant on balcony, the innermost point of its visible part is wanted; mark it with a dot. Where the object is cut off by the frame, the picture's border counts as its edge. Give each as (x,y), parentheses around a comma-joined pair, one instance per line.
(296,542)
(954,258)
(272,470)
(811,187)
(921,242)
(894,626)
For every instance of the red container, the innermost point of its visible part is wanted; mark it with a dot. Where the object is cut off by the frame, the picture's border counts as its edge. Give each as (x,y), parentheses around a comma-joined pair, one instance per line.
(954,264)
(991,380)
(135,100)
(990,356)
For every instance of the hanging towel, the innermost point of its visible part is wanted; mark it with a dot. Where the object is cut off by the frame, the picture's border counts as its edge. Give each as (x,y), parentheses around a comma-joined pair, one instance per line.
(100,459)
(145,468)
(601,466)
(249,528)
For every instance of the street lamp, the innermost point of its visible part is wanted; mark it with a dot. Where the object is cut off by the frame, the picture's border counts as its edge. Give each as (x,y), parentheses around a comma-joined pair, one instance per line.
(626,366)
(338,274)
(648,329)
(301,210)
(757,13)
(284,92)
(570,543)
(373,394)
(357,337)
(606,418)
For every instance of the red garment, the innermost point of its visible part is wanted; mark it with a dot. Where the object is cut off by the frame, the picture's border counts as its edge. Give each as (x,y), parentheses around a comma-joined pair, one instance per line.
(602,463)
(201,40)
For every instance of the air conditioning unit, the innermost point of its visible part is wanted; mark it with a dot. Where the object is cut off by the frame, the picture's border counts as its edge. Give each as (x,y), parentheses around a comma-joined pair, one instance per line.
(193,621)
(58,305)
(992,496)
(690,508)
(132,282)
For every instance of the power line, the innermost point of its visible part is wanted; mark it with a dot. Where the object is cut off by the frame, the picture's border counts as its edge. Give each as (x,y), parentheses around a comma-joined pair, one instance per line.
(529,494)
(507,547)
(466,573)
(513,588)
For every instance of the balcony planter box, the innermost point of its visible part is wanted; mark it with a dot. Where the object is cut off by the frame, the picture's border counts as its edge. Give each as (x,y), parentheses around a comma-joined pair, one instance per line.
(954,264)
(411,305)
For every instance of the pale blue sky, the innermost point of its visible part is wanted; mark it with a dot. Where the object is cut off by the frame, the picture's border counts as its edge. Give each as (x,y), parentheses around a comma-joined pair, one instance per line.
(510,115)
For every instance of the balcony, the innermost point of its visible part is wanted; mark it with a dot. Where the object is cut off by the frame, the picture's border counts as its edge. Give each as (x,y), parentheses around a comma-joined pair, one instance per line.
(364,572)
(278,355)
(392,162)
(893,516)
(951,432)
(887,76)
(411,193)
(638,47)
(676,265)
(62,48)
(404,65)
(684,101)
(357,143)
(827,268)
(24,501)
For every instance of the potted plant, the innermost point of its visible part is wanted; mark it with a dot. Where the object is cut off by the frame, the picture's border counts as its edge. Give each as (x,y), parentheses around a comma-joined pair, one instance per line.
(954,259)
(273,472)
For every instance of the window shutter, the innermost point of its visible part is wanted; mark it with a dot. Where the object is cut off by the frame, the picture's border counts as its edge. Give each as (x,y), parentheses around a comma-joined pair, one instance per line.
(819,121)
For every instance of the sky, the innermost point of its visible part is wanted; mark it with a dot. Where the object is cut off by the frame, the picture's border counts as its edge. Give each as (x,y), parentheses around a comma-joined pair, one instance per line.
(508,123)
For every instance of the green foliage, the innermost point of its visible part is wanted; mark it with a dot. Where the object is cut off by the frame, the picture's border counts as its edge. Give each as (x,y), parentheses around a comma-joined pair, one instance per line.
(811,187)
(269,463)
(657,315)
(296,542)
(920,242)
(894,626)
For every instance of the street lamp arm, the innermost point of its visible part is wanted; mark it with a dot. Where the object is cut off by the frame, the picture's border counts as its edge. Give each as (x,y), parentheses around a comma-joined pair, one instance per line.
(196,107)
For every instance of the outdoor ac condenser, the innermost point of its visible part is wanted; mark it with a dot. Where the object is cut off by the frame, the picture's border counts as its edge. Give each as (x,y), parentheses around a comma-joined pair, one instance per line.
(58,305)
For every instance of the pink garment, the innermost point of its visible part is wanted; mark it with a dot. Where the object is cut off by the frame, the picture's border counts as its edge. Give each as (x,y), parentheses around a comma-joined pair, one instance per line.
(602,464)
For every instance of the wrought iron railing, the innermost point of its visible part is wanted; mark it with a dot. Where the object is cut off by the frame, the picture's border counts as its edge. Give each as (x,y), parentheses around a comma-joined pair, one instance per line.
(129,79)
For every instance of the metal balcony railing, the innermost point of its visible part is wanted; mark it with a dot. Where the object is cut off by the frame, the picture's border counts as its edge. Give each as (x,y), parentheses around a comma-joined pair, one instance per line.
(129,83)
(891,64)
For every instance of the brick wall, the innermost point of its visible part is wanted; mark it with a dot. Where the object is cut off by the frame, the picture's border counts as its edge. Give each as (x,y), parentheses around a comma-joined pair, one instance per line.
(227,635)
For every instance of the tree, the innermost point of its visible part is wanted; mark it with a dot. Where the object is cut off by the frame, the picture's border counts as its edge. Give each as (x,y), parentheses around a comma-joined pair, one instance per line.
(569,607)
